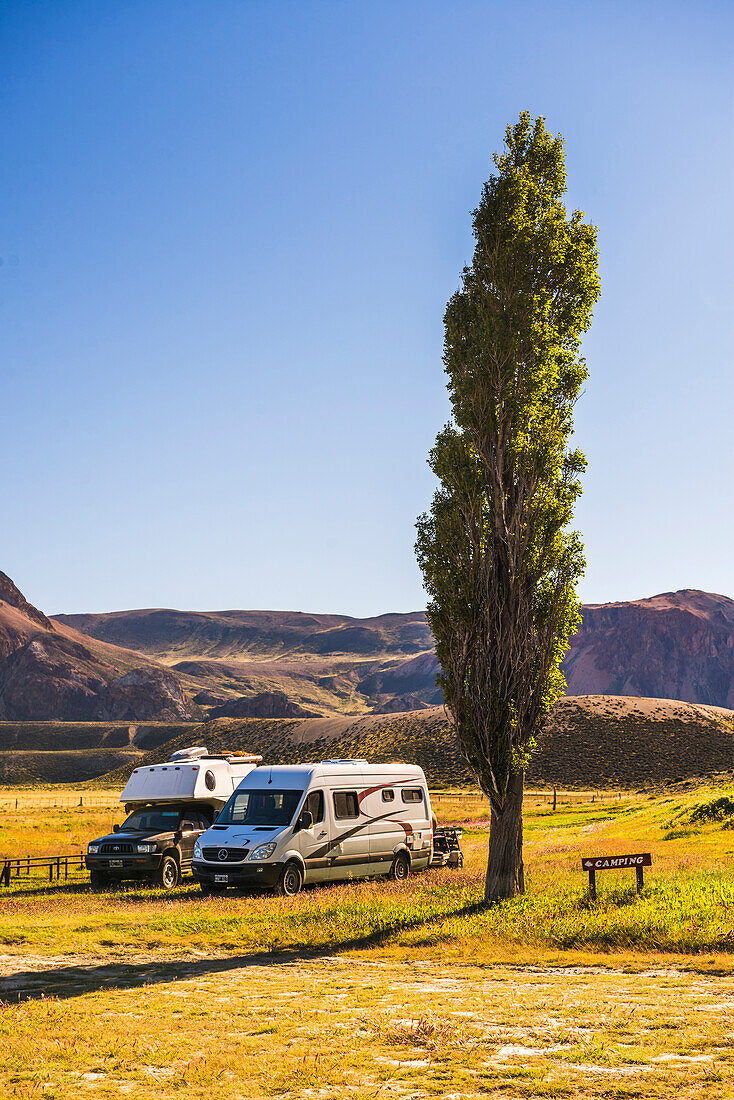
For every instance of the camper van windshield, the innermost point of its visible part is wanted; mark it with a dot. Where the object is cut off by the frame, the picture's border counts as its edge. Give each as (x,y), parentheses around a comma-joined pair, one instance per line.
(260,808)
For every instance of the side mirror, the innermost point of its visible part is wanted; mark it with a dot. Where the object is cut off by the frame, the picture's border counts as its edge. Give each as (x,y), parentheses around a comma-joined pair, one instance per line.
(187,826)
(306,821)
(115,828)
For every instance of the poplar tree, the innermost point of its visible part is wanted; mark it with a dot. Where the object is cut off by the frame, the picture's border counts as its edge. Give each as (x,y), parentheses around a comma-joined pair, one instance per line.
(499,559)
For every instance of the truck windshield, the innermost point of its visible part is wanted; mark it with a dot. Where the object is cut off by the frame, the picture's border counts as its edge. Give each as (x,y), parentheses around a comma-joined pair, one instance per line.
(153,821)
(260,808)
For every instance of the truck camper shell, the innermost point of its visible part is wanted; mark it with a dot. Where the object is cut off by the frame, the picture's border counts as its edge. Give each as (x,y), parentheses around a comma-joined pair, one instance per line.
(191,775)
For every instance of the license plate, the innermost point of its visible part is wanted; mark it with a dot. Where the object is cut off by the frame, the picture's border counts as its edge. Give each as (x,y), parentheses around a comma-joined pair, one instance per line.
(221,878)
(115,863)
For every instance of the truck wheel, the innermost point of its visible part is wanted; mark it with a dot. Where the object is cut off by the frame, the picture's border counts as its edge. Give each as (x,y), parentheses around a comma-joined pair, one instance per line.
(168,875)
(400,868)
(291,880)
(98,880)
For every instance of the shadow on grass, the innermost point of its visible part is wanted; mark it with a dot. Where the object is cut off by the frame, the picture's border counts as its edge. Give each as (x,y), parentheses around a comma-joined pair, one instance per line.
(74,981)
(129,890)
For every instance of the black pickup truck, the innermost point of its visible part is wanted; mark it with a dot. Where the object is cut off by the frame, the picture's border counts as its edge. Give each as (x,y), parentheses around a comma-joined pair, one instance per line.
(156,843)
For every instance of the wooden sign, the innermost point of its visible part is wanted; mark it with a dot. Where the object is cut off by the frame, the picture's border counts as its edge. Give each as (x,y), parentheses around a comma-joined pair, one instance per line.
(592,864)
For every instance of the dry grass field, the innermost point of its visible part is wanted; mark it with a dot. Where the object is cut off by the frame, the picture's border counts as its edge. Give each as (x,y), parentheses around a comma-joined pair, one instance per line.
(379,989)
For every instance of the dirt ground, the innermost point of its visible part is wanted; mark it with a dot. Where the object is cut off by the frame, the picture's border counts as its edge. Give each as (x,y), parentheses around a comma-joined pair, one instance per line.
(373,1027)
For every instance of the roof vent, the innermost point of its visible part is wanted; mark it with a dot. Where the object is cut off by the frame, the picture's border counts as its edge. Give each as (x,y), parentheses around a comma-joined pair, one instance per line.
(339,761)
(194,753)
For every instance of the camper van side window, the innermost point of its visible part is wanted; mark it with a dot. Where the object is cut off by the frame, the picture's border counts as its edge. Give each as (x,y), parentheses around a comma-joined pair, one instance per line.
(346,804)
(315,805)
(412,794)
(388,795)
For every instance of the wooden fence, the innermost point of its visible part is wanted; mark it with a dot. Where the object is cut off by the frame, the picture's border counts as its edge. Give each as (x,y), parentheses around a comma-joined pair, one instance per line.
(27,866)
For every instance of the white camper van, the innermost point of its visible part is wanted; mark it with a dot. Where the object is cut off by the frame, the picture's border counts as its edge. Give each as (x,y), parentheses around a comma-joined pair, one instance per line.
(169,806)
(341,819)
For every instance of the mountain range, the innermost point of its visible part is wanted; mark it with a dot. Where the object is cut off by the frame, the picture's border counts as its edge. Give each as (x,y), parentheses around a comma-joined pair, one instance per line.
(187,665)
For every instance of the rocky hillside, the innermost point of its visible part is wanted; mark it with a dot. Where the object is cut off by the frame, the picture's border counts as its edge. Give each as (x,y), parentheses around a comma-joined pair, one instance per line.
(48,670)
(679,645)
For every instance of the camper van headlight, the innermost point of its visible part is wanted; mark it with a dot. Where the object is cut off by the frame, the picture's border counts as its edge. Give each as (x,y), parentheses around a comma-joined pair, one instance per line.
(265,850)
(197,850)
(93,849)
(145,848)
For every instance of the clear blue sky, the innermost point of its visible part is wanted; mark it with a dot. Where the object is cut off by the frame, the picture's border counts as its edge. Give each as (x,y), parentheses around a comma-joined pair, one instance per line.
(228,232)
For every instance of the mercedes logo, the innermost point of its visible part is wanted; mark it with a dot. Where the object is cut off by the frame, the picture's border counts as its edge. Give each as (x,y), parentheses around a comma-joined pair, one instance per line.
(222,853)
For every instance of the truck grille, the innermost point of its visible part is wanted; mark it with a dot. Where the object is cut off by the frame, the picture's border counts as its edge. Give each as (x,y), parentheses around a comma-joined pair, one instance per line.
(115,849)
(234,855)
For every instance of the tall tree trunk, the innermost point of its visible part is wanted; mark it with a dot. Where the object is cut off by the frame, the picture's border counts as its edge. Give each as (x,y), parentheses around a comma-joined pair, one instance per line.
(505,872)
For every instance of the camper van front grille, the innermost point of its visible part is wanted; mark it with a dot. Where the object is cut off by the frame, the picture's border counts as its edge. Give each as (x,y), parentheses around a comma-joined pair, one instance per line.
(115,849)
(234,855)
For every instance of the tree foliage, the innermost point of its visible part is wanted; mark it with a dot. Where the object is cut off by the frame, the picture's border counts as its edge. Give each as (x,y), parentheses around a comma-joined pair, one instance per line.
(499,561)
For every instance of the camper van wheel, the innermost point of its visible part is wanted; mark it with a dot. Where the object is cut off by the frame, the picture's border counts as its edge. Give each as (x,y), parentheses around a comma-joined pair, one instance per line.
(401,867)
(98,880)
(168,875)
(291,880)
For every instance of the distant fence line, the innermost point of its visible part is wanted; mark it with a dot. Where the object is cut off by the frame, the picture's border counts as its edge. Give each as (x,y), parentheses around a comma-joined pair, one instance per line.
(554,796)
(81,801)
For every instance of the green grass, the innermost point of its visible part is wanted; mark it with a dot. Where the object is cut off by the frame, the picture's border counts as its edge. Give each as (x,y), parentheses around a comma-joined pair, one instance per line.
(687,906)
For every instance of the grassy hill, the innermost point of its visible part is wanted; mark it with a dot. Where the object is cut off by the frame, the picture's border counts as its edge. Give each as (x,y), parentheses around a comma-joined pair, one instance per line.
(72,736)
(590,741)
(33,767)
(593,740)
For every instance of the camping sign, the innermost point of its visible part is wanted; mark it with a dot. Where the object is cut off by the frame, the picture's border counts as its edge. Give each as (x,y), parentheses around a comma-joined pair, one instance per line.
(592,864)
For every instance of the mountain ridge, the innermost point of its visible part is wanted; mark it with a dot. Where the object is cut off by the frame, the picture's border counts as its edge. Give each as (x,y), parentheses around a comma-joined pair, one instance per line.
(167,664)
(677,645)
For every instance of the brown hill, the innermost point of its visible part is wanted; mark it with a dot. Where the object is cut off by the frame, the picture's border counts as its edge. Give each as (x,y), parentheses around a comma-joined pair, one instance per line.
(49,670)
(222,635)
(591,741)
